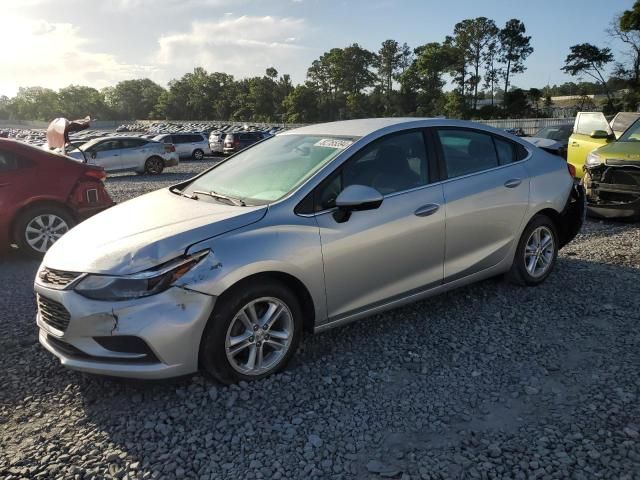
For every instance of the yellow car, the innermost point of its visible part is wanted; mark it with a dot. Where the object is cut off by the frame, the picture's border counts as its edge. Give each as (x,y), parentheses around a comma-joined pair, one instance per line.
(591,131)
(612,177)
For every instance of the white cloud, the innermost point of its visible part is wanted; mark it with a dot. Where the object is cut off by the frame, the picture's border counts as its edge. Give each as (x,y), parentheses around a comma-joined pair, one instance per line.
(55,55)
(242,46)
(171,4)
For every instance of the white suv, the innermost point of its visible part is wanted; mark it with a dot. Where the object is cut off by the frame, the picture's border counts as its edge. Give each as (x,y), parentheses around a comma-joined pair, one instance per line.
(188,145)
(216,141)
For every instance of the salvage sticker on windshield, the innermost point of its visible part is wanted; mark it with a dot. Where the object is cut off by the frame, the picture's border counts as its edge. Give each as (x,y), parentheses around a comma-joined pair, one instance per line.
(333,143)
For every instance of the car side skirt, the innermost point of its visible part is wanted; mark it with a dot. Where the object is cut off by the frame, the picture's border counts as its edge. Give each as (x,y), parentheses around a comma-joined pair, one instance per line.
(413,296)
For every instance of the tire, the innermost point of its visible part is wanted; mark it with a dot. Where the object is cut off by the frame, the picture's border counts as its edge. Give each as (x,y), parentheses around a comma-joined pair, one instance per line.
(153,166)
(542,260)
(197,154)
(227,322)
(40,227)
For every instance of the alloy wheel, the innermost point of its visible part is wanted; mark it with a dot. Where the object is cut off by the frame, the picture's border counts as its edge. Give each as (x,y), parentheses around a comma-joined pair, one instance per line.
(154,166)
(44,230)
(539,251)
(259,336)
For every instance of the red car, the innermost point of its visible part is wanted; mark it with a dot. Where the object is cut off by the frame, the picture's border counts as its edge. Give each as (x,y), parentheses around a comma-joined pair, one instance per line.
(43,195)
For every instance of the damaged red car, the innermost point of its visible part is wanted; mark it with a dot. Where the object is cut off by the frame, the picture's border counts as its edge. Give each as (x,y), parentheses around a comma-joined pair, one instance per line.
(43,195)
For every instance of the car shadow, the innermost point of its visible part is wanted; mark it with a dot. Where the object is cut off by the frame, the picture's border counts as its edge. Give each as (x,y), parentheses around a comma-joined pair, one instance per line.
(433,344)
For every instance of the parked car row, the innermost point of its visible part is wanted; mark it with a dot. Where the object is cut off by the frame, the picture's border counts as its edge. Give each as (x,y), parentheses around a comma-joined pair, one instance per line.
(224,271)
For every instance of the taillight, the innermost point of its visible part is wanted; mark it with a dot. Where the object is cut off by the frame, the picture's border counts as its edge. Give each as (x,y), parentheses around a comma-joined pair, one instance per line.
(572,170)
(169,148)
(96,174)
(236,143)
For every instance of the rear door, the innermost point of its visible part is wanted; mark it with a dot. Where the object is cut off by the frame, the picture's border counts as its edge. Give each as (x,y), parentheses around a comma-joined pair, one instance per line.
(134,153)
(486,195)
(581,143)
(181,146)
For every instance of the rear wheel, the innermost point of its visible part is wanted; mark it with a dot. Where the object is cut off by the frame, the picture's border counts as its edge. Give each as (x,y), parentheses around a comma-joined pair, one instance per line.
(154,166)
(536,254)
(40,227)
(198,154)
(252,333)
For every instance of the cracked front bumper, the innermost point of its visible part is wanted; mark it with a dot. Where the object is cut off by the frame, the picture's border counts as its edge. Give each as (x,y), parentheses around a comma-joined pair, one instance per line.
(166,329)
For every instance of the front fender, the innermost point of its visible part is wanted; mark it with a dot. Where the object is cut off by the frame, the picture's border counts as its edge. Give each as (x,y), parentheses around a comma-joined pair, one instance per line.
(292,249)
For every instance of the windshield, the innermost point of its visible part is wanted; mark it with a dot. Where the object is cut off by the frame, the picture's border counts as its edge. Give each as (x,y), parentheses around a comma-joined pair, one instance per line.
(271,169)
(555,133)
(632,134)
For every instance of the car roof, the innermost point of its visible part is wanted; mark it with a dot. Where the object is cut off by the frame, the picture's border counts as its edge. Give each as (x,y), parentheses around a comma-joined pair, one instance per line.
(366,126)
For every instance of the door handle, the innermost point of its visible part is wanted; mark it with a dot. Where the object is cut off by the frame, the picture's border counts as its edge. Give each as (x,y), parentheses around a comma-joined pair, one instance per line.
(575,144)
(4,185)
(513,183)
(426,210)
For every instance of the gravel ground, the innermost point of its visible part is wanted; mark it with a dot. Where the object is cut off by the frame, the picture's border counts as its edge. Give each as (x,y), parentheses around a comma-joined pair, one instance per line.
(489,381)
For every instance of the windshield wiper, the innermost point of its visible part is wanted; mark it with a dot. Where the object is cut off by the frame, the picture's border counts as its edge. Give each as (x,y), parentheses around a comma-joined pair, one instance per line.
(238,202)
(183,194)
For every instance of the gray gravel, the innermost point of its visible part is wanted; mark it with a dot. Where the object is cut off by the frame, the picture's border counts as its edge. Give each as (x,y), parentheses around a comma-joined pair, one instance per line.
(489,381)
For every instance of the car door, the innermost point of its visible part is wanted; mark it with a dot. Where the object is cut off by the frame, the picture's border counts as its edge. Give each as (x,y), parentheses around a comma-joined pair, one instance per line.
(486,195)
(106,154)
(380,255)
(582,141)
(182,144)
(17,184)
(134,153)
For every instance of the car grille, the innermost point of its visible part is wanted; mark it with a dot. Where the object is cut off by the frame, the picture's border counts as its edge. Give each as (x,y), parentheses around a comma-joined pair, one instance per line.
(57,278)
(53,313)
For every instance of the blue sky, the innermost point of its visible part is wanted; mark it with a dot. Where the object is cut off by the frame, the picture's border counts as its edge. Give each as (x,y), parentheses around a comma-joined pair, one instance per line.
(100,42)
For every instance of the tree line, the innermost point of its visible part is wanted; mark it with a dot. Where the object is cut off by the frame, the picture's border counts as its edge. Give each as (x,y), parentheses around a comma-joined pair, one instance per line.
(469,74)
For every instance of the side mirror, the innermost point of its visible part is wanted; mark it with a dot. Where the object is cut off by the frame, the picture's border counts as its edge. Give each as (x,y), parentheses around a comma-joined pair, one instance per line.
(356,198)
(600,134)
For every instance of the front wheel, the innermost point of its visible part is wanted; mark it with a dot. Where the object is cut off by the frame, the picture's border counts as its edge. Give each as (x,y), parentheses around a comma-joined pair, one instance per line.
(198,154)
(536,254)
(153,166)
(252,333)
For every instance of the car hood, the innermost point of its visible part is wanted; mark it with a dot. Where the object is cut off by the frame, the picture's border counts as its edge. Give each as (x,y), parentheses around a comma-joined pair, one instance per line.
(544,142)
(145,232)
(621,151)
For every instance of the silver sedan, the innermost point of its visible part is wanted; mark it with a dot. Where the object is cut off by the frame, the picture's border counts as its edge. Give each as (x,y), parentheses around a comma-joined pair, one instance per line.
(116,154)
(308,230)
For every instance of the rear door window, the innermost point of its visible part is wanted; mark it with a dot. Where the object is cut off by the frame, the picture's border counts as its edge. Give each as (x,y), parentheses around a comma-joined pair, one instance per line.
(467,151)
(133,142)
(181,139)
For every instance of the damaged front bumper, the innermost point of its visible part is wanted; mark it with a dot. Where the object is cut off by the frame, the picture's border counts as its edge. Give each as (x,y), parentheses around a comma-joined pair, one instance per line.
(151,338)
(613,190)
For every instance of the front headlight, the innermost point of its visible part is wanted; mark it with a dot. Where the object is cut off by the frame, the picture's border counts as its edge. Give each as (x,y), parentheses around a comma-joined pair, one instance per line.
(593,159)
(143,284)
